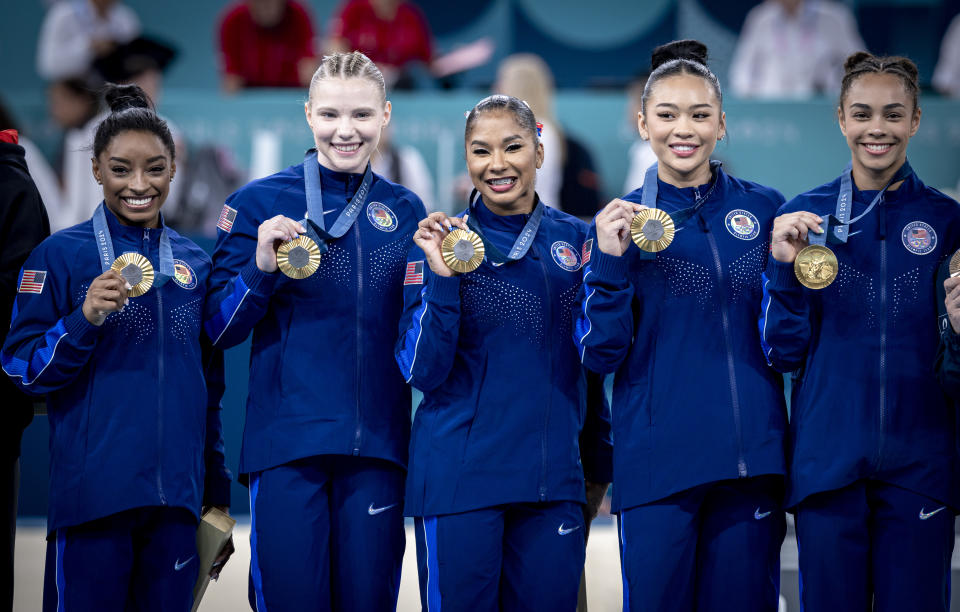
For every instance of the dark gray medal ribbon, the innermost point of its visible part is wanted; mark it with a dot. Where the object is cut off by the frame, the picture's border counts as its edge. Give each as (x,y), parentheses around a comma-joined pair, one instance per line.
(314,222)
(650,189)
(105,246)
(520,246)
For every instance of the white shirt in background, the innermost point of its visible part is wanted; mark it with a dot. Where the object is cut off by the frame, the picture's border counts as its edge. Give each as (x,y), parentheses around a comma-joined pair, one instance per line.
(64,49)
(946,77)
(799,56)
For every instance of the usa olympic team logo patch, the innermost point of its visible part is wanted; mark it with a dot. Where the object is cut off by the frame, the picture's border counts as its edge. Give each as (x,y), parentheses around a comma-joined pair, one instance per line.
(381,217)
(742,224)
(919,238)
(184,275)
(565,255)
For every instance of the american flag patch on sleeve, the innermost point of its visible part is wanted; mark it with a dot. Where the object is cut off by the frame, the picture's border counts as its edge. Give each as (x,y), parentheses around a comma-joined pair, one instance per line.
(227,217)
(586,251)
(32,281)
(414,275)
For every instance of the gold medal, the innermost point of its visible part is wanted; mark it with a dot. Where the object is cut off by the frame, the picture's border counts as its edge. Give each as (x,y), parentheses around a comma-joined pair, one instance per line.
(462,250)
(652,230)
(298,258)
(816,266)
(136,270)
(955,264)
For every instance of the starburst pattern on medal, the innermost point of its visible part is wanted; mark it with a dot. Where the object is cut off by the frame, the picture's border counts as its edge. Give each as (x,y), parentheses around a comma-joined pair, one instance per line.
(386,265)
(744,275)
(184,320)
(686,278)
(489,303)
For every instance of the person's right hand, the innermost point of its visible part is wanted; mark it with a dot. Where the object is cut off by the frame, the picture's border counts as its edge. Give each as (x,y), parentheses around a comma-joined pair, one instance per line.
(790,234)
(107,293)
(270,235)
(613,226)
(429,237)
(952,302)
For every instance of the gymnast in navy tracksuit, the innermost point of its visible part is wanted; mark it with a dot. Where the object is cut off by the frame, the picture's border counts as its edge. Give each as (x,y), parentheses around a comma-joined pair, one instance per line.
(128,410)
(698,418)
(496,481)
(328,414)
(873,441)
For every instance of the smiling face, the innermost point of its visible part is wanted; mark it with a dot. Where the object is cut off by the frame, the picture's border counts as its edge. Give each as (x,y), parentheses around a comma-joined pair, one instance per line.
(346,117)
(502,159)
(683,123)
(877,116)
(135,169)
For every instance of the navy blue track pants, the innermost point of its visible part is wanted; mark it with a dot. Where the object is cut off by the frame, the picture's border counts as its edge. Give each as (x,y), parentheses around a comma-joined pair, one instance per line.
(326,533)
(524,556)
(874,542)
(713,547)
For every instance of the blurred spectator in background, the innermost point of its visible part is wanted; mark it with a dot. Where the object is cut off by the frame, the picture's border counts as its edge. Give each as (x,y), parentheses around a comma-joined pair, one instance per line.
(23,225)
(266,43)
(567,179)
(77,32)
(404,165)
(141,62)
(392,33)
(793,49)
(641,155)
(946,77)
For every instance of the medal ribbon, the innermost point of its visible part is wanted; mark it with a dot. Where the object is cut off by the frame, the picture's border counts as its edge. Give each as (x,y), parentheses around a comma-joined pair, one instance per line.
(837,229)
(316,227)
(105,245)
(649,198)
(523,241)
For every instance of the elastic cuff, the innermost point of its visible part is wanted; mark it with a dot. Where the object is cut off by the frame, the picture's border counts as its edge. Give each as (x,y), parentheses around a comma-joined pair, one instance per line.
(83,331)
(257,281)
(443,289)
(608,267)
(952,340)
(781,274)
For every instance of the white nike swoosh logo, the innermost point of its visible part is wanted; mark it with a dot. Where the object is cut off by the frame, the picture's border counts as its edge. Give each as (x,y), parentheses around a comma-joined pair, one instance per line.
(761,515)
(925,515)
(373,511)
(177,566)
(563,531)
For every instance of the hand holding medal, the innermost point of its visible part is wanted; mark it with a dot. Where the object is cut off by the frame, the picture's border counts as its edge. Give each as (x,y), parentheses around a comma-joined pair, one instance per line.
(951,287)
(815,265)
(614,225)
(107,293)
(279,241)
(449,245)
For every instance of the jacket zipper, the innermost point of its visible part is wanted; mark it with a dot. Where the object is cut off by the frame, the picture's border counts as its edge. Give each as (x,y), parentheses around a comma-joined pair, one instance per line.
(549,402)
(731,369)
(883,333)
(160,331)
(356,230)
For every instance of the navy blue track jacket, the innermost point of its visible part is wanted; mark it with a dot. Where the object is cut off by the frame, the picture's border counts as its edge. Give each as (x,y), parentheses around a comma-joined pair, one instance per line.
(505,398)
(866,403)
(127,402)
(322,376)
(693,399)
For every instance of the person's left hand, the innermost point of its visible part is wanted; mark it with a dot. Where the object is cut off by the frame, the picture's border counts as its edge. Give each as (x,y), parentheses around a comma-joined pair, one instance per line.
(595,493)
(952,302)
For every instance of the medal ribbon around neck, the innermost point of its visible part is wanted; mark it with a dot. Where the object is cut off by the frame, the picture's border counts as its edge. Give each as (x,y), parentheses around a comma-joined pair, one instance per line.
(101,231)
(836,230)
(523,242)
(300,257)
(648,198)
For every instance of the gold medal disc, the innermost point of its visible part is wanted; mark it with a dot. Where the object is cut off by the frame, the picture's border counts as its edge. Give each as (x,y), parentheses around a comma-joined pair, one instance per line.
(816,266)
(462,250)
(652,230)
(136,270)
(955,264)
(298,258)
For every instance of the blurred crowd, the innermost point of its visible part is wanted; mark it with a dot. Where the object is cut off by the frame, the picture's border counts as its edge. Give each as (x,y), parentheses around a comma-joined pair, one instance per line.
(787,49)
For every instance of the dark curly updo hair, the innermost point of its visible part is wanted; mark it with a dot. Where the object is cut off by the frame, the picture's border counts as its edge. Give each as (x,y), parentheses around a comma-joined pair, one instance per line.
(130,109)
(679,57)
(498,102)
(861,63)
